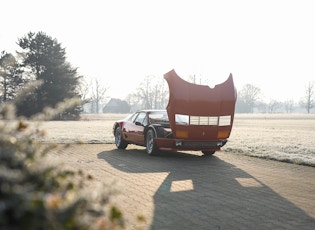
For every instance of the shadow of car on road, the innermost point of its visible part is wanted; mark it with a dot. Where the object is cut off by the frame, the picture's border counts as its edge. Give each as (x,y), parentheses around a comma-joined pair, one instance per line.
(202,192)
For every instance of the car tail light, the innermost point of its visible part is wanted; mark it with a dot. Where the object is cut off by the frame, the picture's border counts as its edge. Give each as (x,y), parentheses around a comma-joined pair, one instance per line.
(223,134)
(181,134)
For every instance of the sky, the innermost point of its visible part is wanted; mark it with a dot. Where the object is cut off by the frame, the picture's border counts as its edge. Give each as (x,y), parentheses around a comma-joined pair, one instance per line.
(269,43)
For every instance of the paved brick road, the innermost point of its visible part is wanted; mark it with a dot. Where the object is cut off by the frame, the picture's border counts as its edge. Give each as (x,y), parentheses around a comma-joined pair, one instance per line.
(189,191)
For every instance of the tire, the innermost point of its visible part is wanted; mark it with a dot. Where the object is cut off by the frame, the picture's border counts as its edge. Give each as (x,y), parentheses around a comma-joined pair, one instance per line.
(151,147)
(208,153)
(119,141)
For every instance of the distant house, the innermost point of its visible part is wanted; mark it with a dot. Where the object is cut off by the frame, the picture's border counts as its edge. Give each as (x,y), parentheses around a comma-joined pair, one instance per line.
(116,106)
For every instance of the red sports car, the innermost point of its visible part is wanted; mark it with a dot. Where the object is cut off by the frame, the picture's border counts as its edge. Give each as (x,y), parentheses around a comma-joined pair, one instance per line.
(197,117)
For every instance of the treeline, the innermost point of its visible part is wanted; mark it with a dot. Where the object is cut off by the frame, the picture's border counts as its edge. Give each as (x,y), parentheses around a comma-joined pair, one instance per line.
(250,100)
(42,60)
(153,93)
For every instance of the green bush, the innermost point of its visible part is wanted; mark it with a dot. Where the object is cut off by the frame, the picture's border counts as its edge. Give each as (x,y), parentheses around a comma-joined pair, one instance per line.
(36,194)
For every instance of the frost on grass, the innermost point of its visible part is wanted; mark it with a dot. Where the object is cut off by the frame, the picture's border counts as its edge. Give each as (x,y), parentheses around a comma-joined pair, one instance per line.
(90,129)
(285,137)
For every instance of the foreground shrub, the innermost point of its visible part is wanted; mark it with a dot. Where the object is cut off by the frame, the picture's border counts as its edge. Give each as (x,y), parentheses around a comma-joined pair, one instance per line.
(36,194)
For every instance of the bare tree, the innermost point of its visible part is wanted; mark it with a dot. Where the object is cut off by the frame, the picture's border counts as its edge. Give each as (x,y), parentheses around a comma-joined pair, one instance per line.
(193,78)
(249,96)
(151,94)
(308,101)
(98,93)
(289,106)
(274,105)
(84,90)
(133,101)
(146,92)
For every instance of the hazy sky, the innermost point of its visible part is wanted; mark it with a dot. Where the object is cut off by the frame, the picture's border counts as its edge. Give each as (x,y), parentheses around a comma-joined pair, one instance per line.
(267,43)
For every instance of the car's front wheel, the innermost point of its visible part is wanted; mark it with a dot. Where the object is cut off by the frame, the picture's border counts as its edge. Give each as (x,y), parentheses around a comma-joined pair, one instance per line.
(119,141)
(150,142)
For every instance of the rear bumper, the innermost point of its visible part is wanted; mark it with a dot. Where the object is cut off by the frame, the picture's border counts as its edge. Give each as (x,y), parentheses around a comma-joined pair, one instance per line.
(196,145)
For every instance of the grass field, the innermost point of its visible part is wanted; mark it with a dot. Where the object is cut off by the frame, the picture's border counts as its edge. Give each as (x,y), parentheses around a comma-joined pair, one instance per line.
(284,137)
(289,138)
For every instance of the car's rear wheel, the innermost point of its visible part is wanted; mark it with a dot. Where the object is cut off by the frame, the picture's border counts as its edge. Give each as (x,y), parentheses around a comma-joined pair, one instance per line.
(119,141)
(208,153)
(151,147)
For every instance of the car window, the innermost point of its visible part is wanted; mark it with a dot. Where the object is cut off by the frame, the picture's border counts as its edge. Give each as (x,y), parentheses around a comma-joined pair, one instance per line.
(158,117)
(133,117)
(181,119)
(141,118)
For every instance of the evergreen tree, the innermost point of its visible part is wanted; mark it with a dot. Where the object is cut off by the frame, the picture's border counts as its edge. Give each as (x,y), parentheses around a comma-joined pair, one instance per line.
(47,61)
